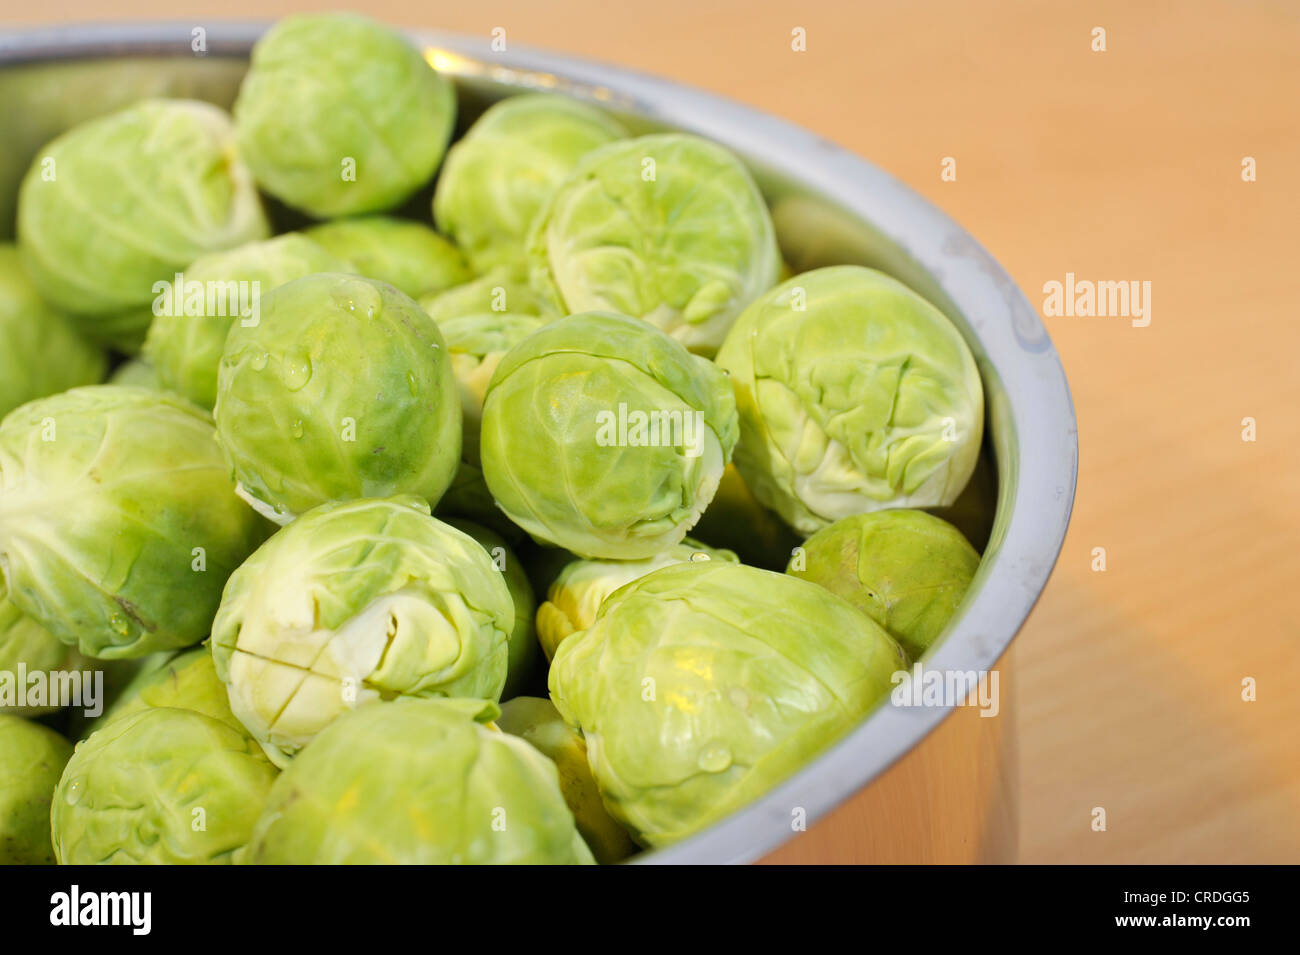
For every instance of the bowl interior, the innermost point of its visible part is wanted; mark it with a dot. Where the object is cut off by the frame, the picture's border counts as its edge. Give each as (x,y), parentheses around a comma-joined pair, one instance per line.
(53,87)
(828,207)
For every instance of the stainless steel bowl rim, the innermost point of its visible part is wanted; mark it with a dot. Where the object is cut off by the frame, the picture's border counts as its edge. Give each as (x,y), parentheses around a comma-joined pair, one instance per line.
(1034,503)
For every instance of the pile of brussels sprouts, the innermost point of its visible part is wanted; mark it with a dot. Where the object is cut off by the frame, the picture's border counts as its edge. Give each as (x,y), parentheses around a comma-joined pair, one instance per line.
(377,535)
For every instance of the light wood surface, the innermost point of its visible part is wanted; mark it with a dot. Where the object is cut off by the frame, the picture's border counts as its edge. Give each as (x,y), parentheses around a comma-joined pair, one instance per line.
(1122,165)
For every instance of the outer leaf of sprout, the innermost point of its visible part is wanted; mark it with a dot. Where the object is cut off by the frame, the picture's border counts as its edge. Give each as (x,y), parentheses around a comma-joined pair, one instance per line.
(340,115)
(118,525)
(855,394)
(523,636)
(407,255)
(703,685)
(162,786)
(358,603)
(120,203)
(576,596)
(904,569)
(32,758)
(418,782)
(668,228)
(303,421)
(552,453)
(498,176)
(40,351)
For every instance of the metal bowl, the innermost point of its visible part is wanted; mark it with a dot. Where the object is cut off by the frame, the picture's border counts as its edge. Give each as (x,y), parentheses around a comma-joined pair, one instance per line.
(830,207)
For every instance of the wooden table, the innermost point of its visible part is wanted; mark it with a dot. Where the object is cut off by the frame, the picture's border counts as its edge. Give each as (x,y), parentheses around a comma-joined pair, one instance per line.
(1122,165)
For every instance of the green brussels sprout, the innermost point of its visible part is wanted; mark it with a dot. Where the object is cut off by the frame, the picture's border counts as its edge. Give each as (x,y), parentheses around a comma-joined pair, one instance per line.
(161,787)
(855,394)
(604,436)
(115,207)
(40,352)
(477,343)
(186,681)
(32,758)
(417,782)
(705,684)
(496,292)
(136,373)
(498,176)
(539,723)
(668,228)
(118,527)
(407,255)
(340,115)
(904,569)
(577,593)
(523,637)
(186,340)
(25,644)
(353,603)
(303,421)
(735,520)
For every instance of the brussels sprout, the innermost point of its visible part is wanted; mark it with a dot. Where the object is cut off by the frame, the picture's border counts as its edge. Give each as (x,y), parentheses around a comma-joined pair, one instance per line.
(904,569)
(577,593)
(186,681)
(523,637)
(118,527)
(40,352)
(25,644)
(407,255)
(855,395)
(136,373)
(114,207)
(477,343)
(353,603)
(185,340)
(417,782)
(604,436)
(31,759)
(735,520)
(539,723)
(343,390)
(705,684)
(511,160)
(162,786)
(669,228)
(496,292)
(340,115)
